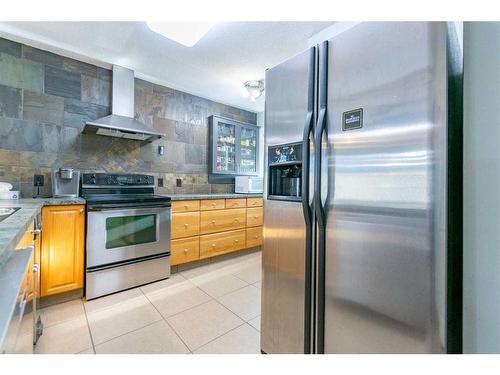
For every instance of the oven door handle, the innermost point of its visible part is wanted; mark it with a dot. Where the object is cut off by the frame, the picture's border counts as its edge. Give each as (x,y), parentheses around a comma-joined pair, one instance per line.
(112,207)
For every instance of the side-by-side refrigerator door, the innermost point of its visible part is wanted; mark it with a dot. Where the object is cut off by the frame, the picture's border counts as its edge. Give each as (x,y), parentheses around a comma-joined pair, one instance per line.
(286,250)
(384,266)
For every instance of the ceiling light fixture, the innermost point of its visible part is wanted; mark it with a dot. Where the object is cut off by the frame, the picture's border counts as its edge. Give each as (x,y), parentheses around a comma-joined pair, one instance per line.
(254,88)
(186,33)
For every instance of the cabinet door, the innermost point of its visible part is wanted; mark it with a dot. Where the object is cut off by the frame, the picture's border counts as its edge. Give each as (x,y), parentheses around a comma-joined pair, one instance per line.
(185,224)
(225,147)
(247,161)
(62,258)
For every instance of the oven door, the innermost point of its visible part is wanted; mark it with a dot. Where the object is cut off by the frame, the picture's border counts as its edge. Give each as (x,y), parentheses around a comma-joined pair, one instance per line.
(121,234)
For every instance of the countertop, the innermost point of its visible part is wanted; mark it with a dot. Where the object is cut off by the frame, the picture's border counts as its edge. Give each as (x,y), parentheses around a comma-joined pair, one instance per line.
(13,263)
(13,228)
(183,197)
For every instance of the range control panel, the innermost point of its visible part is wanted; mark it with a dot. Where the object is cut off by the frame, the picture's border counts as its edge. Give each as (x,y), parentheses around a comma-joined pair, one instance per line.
(289,153)
(111,179)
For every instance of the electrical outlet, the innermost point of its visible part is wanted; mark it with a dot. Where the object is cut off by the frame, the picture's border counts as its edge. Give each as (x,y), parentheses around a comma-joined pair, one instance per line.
(178,182)
(38,180)
(160,182)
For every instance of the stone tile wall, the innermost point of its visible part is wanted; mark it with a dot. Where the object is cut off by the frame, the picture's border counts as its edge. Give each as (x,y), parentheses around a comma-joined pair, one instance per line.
(45,100)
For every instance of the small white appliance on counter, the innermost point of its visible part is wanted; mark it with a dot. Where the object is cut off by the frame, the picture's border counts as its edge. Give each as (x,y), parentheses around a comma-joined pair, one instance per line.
(248,184)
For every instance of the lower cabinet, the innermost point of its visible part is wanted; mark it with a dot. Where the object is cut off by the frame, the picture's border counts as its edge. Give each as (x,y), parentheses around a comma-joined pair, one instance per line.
(210,227)
(62,249)
(221,243)
(254,236)
(26,241)
(184,250)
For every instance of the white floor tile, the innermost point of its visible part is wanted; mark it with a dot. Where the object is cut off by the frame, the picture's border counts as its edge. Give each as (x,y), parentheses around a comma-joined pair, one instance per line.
(69,337)
(112,300)
(241,340)
(62,312)
(203,323)
(258,285)
(244,302)
(218,285)
(162,284)
(87,351)
(157,338)
(178,297)
(108,323)
(250,273)
(255,323)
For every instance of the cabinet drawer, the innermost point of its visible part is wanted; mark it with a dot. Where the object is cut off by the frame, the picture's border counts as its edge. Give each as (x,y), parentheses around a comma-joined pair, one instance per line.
(220,243)
(222,220)
(236,203)
(185,224)
(254,216)
(212,204)
(254,202)
(184,250)
(185,206)
(254,236)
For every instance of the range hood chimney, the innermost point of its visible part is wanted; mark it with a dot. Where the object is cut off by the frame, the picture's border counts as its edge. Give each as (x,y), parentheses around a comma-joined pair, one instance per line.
(121,123)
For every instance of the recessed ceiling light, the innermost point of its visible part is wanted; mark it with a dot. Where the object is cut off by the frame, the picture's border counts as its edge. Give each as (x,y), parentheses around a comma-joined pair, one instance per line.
(186,33)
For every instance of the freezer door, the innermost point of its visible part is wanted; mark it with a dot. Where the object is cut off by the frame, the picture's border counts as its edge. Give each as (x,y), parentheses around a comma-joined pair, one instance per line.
(385,197)
(285,316)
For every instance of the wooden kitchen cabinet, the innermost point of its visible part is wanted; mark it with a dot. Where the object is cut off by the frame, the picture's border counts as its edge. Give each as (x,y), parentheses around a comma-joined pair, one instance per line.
(254,217)
(222,220)
(254,236)
(185,206)
(255,202)
(26,241)
(236,203)
(212,204)
(184,250)
(62,249)
(185,224)
(222,243)
(203,228)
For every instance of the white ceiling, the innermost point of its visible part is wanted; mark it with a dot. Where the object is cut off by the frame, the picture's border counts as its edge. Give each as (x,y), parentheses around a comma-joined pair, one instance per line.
(215,68)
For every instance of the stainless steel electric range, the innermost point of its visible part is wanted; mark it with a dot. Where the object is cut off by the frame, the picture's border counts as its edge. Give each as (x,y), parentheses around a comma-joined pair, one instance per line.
(128,232)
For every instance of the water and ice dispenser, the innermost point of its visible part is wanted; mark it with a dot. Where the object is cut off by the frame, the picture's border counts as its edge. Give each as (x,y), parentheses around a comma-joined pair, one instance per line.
(285,172)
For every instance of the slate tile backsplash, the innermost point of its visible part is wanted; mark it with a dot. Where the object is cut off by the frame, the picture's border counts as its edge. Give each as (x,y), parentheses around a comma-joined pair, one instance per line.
(45,100)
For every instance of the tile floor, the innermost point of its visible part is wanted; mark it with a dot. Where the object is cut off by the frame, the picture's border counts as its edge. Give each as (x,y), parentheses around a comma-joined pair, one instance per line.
(213,308)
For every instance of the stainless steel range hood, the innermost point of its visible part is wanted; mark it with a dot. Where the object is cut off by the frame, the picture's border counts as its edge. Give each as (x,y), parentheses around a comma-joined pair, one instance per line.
(121,123)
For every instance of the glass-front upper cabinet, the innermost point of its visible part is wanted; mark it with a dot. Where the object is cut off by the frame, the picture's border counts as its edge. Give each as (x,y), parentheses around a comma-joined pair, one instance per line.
(248,150)
(225,147)
(233,149)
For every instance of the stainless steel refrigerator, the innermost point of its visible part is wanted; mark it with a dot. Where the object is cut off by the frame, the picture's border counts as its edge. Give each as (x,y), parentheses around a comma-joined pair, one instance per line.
(363,194)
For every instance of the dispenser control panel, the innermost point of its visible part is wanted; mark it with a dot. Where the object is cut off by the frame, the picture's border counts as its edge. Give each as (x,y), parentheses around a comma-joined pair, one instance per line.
(288,153)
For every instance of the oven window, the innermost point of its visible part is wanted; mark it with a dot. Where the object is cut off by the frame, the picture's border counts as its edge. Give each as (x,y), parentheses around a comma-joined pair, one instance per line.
(130,230)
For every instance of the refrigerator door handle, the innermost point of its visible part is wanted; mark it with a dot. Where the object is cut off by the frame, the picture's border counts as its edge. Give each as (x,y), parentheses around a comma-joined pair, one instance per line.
(318,167)
(307,138)
(319,207)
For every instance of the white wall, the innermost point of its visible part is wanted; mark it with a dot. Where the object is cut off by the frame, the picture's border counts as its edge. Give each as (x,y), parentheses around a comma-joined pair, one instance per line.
(482,187)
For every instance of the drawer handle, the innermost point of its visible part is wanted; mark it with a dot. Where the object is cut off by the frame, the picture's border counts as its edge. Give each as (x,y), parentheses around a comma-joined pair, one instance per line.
(236,221)
(213,221)
(236,241)
(255,217)
(186,225)
(213,245)
(236,204)
(214,204)
(256,237)
(185,251)
(186,206)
